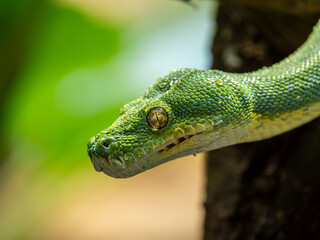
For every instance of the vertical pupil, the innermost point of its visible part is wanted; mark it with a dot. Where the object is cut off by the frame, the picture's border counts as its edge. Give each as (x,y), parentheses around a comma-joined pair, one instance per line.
(157,118)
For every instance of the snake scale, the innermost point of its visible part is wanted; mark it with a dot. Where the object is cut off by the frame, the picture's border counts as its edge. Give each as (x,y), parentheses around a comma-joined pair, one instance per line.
(190,111)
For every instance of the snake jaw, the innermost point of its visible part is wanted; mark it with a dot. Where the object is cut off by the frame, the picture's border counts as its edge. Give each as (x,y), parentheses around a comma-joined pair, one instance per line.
(96,163)
(140,160)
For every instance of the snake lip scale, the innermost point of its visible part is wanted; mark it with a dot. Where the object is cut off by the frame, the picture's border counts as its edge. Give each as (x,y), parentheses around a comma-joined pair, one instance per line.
(104,164)
(190,111)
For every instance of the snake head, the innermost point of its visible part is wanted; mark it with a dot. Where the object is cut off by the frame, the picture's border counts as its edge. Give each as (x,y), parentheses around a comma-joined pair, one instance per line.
(183,113)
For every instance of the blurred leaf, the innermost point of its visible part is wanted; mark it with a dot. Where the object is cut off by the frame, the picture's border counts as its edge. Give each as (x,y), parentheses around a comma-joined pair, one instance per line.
(67,41)
(18,21)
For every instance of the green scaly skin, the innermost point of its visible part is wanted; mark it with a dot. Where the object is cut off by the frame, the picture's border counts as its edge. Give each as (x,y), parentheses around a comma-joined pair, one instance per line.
(209,110)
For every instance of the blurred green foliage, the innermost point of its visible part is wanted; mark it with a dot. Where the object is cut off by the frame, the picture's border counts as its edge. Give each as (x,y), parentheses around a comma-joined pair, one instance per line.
(62,78)
(66,40)
(42,43)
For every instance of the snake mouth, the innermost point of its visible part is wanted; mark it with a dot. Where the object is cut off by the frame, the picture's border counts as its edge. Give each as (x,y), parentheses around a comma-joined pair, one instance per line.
(118,168)
(109,167)
(182,142)
(173,144)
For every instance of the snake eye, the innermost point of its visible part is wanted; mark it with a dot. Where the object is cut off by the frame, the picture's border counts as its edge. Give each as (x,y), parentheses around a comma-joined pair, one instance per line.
(157,118)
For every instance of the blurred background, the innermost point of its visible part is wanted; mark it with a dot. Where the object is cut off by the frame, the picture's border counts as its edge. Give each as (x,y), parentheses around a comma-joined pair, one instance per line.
(66,68)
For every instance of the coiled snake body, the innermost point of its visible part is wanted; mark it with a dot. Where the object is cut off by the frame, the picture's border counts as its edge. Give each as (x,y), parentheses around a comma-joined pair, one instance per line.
(190,111)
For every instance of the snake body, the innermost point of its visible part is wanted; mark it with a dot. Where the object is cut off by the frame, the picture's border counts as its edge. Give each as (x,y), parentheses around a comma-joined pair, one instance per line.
(190,111)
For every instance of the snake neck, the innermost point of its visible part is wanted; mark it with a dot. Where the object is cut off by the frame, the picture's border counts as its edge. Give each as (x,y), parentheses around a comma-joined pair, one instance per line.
(285,95)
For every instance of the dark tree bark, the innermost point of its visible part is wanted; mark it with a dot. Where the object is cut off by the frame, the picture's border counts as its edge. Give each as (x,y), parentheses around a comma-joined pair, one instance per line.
(268,189)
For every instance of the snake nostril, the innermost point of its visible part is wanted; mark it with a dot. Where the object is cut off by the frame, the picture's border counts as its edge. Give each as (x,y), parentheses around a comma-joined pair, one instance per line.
(105,144)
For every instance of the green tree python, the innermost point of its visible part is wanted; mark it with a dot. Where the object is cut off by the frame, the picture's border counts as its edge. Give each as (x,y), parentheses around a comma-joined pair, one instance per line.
(190,111)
